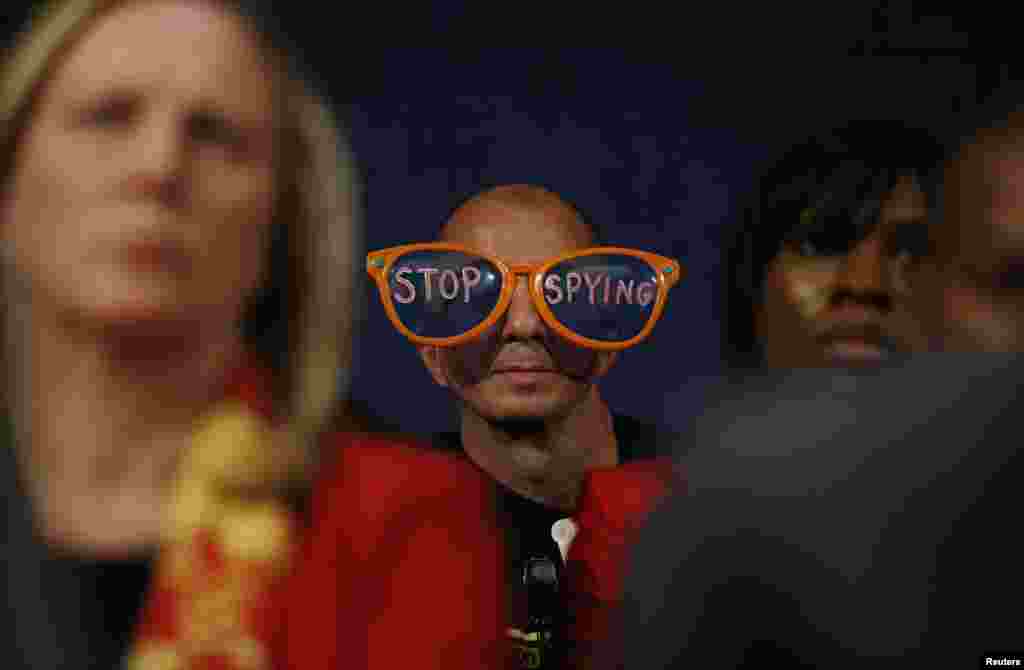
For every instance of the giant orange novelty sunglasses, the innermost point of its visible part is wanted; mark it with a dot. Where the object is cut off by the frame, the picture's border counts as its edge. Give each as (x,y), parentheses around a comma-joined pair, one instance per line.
(605,298)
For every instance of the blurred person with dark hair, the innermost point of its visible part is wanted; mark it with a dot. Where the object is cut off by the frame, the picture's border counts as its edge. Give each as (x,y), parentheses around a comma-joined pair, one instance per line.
(522,353)
(816,274)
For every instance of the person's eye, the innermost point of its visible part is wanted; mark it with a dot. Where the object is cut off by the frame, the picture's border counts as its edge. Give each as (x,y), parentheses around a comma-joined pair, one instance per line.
(214,130)
(909,242)
(806,248)
(829,241)
(1009,277)
(109,113)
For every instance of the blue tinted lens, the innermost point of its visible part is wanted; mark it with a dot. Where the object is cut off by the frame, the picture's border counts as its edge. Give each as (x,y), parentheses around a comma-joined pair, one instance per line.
(443,293)
(605,297)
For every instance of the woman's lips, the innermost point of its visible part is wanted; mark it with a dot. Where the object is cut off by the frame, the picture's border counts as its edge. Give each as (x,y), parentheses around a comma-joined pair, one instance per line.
(858,342)
(856,349)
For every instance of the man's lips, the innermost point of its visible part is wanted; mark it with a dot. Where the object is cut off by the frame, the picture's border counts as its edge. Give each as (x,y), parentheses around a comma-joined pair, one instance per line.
(521,362)
(523,368)
(524,372)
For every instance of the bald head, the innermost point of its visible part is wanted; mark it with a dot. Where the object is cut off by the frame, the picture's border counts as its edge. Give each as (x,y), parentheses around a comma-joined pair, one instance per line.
(500,220)
(522,226)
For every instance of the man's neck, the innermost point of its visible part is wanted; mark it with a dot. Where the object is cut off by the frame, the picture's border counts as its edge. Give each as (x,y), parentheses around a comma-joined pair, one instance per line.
(103,418)
(546,461)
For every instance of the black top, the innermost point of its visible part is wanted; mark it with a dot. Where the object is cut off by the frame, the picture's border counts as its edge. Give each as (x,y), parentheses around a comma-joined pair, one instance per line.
(62,611)
(110,596)
(531,551)
(842,519)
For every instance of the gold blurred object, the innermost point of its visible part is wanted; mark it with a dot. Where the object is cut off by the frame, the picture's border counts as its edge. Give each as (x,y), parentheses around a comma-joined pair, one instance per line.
(238,452)
(254,532)
(156,657)
(224,552)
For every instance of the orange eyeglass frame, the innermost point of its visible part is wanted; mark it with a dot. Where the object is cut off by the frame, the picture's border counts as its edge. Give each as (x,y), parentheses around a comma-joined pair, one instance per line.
(667,271)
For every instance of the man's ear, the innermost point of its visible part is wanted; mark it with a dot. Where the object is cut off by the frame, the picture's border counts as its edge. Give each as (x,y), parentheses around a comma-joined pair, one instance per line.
(435,365)
(605,360)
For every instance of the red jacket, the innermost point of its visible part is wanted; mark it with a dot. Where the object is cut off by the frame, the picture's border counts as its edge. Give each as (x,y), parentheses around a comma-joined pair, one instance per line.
(403,567)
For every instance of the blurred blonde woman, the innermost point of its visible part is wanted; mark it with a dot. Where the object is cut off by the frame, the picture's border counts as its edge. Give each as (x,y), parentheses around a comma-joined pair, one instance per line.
(178,230)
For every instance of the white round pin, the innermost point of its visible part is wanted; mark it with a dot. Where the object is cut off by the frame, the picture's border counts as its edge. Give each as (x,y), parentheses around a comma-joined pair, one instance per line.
(563,532)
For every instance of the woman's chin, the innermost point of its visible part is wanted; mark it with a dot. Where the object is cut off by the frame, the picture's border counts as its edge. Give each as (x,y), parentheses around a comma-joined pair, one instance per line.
(131,308)
(110,301)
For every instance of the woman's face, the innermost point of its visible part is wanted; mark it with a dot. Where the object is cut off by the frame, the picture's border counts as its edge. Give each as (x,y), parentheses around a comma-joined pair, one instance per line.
(821,307)
(144,184)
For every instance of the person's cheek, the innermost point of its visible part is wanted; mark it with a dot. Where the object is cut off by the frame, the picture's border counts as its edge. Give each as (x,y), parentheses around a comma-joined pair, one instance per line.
(228,258)
(977,322)
(902,277)
(43,236)
(810,298)
(469,363)
(231,232)
(573,361)
(806,283)
(797,293)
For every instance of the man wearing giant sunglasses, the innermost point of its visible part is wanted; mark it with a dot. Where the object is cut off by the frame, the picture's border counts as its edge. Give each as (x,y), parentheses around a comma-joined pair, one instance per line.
(518,313)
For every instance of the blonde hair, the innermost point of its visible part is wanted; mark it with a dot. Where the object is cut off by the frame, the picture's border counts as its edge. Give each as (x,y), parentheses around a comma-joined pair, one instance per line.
(317,206)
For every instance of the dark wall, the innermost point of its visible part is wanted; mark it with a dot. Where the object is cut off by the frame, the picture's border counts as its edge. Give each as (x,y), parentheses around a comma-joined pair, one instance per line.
(658,153)
(611,136)
(656,137)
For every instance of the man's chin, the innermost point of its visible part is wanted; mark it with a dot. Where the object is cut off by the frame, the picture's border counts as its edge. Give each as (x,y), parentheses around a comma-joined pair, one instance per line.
(522,411)
(500,402)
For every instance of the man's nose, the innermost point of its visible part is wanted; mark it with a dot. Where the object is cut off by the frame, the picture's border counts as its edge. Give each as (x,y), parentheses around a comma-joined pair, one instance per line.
(864,275)
(522,321)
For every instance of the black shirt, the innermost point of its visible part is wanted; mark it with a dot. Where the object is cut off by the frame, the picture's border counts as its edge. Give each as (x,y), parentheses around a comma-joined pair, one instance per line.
(62,611)
(110,594)
(530,546)
(847,518)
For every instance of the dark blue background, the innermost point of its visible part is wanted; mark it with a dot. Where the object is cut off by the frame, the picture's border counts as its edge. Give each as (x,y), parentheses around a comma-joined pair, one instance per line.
(655,136)
(656,152)
(614,139)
